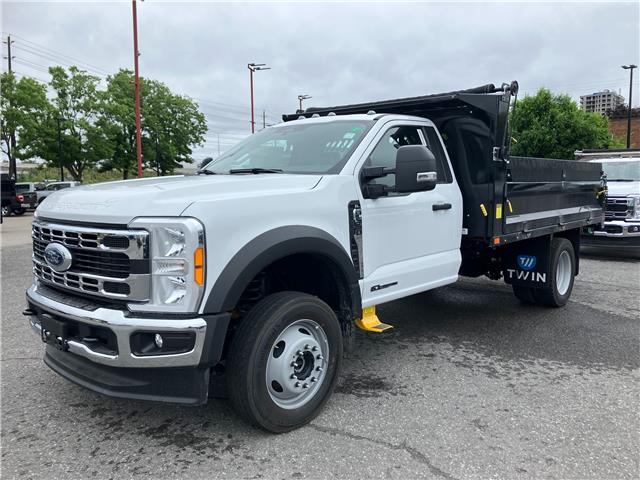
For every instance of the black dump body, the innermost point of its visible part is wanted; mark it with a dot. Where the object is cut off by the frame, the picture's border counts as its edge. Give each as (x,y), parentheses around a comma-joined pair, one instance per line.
(506,198)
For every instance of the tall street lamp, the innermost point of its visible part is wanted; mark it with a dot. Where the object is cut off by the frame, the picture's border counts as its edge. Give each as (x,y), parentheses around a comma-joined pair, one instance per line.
(136,54)
(254,67)
(630,68)
(303,97)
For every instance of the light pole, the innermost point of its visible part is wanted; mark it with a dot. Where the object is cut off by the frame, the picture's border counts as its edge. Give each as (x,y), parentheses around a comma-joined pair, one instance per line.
(630,68)
(136,54)
(254,67)
(303,97)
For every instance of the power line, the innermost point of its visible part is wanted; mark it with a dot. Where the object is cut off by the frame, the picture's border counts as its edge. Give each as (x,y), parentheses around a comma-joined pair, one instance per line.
(60,54)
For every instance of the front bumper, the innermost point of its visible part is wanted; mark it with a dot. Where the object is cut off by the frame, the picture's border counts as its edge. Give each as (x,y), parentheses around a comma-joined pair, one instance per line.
(617,234)
(180,377)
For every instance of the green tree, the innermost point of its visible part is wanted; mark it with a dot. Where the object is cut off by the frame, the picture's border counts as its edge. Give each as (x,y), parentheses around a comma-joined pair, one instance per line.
(171,125)
(551,125)
(77,113)
(25,112)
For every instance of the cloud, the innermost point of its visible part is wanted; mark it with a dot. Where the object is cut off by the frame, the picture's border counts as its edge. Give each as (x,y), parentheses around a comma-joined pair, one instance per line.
(336,52)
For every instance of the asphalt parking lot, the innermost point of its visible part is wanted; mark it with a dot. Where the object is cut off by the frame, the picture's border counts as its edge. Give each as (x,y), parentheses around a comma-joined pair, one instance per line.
(470,384)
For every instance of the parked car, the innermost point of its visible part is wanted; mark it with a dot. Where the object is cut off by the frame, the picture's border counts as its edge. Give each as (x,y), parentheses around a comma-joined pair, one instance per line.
(54,187)
(8,191)
(621,229)
(27,197)
(248,279)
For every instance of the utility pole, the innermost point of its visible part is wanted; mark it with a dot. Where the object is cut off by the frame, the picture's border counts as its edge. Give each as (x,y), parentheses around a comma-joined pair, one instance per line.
(303,97)
(136,54)
(13,171)
(264,119)
(630,68)
(60,153)
(254,67)
(157,156)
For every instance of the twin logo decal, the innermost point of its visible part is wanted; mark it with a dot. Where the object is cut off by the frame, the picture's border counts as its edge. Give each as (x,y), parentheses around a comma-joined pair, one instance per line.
(527,262)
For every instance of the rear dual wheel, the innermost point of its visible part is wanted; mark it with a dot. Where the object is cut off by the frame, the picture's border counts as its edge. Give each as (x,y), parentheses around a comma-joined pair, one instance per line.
(284,360)
(563,271)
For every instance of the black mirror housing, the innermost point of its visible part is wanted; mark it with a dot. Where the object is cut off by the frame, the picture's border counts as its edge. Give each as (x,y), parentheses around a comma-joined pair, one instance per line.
(415,169)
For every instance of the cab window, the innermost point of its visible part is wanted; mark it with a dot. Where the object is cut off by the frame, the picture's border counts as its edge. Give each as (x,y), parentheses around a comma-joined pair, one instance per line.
(384,154)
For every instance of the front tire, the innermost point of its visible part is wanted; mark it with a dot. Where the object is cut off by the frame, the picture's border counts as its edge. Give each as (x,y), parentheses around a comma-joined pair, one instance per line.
(563,272)
(19,211)
(284,360)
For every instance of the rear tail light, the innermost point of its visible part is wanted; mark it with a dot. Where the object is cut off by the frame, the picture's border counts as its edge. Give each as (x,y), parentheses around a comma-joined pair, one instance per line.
(20,198)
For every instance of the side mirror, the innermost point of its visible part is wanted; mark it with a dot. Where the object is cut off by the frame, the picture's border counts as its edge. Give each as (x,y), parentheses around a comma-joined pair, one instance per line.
(415,169)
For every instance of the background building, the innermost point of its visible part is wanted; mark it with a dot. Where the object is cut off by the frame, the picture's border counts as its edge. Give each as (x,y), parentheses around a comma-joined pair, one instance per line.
(601,102)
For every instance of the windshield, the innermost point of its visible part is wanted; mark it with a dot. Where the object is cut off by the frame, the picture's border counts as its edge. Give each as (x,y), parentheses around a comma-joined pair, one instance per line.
(625,171)
(295,148)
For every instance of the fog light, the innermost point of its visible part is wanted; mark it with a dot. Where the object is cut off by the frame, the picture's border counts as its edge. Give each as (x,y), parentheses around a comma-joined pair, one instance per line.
(158,340)
(634,229)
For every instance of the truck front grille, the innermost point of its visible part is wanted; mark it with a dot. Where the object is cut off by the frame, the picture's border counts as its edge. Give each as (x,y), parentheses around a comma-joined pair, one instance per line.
(105,262)
(617,208)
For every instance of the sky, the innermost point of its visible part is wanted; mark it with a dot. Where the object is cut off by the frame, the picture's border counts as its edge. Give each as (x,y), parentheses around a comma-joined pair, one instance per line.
(337,52)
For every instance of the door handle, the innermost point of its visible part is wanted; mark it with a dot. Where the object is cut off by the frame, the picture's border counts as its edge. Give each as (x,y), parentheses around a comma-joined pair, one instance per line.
(441,206)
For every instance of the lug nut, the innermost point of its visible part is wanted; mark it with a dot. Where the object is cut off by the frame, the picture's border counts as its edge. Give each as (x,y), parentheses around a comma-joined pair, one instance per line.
(299,352)
(307,346)
(297,384)
(292,364)
(318,369)
(305,385)
(319,357)
(314,379)
(314,349)
(292,376)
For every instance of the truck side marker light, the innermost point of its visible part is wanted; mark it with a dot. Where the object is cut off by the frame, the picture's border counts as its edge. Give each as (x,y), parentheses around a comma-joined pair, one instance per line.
(498,210)
(370,321)
(496,241)
(484,209)
(198,266)
(509,205)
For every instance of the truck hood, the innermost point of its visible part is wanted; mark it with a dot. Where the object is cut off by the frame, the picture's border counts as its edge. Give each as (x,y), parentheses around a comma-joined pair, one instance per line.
(621,189)
(120,202)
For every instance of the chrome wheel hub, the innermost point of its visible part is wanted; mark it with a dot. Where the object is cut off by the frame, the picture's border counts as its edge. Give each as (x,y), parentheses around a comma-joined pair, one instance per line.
(297,363)
(563,272)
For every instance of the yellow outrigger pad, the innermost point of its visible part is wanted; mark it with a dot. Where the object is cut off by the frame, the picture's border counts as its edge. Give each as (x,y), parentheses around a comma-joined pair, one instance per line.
(370,321)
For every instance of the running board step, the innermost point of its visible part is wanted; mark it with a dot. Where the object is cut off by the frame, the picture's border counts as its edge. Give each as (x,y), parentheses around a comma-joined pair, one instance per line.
(370,321)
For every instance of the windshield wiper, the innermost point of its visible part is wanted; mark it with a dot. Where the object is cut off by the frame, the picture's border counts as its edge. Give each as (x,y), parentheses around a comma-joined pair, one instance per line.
(255,170)
(205,172)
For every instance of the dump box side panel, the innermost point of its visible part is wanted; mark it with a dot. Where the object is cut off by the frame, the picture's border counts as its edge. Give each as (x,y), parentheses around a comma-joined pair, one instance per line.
(544,195)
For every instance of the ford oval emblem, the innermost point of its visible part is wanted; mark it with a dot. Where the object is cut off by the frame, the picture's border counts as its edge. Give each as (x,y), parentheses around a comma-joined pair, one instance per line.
(58,257)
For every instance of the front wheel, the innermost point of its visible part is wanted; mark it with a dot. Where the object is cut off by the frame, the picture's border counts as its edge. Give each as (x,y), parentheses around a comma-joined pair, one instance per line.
(19,211)
(563,272)
(284,360)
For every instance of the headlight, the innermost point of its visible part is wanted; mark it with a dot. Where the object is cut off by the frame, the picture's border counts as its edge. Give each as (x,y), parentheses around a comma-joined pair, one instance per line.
(176,252)
(633,212)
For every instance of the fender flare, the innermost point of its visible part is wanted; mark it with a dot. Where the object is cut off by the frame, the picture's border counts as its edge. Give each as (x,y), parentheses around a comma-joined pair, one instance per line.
(274,245)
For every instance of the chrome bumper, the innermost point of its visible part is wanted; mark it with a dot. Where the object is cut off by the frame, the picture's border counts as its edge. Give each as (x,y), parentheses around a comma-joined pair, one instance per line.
(619,229)
(122,326)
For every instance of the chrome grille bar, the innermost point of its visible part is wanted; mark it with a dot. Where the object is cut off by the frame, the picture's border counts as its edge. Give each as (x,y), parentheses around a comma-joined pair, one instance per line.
(102,260)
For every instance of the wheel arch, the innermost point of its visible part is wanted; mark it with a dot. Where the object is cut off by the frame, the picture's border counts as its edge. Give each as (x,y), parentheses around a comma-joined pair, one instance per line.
(275,245)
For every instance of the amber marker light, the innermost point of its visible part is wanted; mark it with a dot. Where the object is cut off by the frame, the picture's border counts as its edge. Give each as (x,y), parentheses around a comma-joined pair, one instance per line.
(198,266)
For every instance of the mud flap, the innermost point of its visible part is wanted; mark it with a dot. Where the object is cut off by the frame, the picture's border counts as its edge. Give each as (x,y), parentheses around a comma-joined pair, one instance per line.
(527,263)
